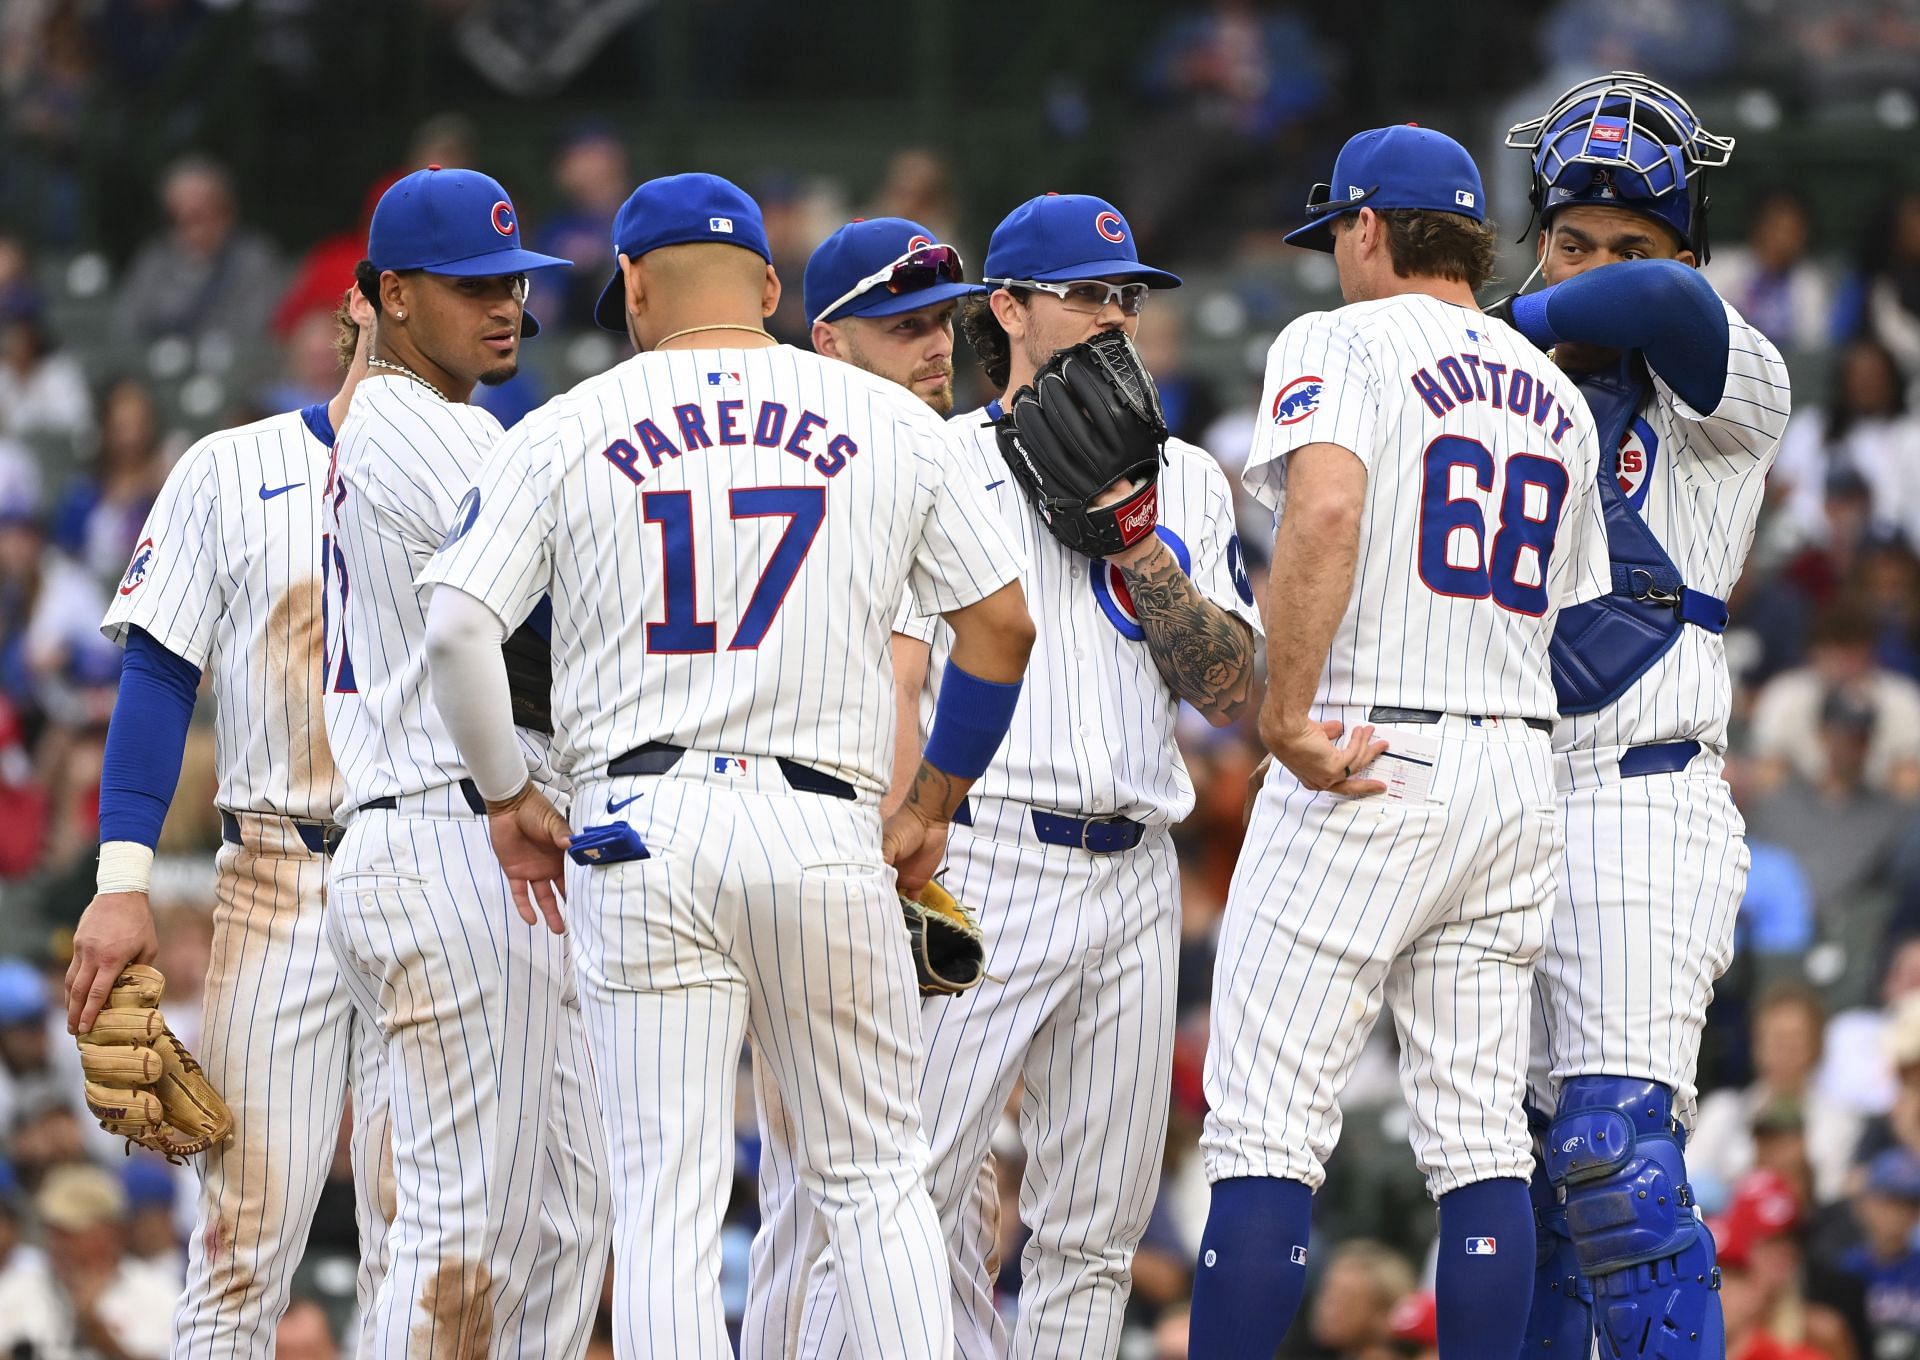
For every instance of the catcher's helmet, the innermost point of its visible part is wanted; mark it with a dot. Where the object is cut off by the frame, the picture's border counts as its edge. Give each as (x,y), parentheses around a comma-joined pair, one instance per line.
(1623,140)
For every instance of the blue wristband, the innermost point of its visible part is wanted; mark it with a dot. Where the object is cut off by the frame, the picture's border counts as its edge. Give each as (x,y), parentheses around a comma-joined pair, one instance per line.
(970,720)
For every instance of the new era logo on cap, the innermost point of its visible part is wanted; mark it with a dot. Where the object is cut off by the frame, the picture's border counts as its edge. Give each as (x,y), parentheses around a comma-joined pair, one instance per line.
(721,224)
(1482,1246)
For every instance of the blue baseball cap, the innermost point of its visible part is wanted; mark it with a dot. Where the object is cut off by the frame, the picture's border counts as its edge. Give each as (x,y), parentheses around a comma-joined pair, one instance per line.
(861,249)
(1057,237)
(459,223)
(676,210)
(23,993)
(1896,1173)
(1404,166)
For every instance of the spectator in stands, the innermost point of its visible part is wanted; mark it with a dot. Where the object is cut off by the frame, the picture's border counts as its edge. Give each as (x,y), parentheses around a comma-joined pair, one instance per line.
(27,1072)
(918,185)
(1847,836)
(91,1300)
(1788,1027)
(593,178)
(1776,922)
(1883,296)
(1688,42)
(1416,1327)
(1900,1125)
(1858,1071)
(1351,1311)
(1866,428)
(152,1191)
(1187,397)
(100,514)
(206,274)
(46,93)
(305,1333)
(1887,1261)
(1772,279)
(1768,1316)
(43,391)
(1840,661)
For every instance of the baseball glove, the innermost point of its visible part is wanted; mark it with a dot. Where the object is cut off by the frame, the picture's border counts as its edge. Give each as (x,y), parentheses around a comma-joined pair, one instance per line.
(141,1081)
(948,954)
(1091,417)
(529,661)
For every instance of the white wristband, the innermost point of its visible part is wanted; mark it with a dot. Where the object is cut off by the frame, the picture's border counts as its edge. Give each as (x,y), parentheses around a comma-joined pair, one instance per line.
(125,866)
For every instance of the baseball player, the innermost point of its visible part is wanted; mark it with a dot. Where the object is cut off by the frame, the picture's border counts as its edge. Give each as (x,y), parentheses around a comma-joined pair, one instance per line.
(1066,855)
(1689,401)
(881,295)
(499,1236)
(1433,477)
(726,526)
(226,580)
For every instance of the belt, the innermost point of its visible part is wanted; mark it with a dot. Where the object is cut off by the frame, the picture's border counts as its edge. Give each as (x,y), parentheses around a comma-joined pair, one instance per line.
(659,757)
(468,790)
(319,837)
(1096,835)
(1382,714)
(1668,758)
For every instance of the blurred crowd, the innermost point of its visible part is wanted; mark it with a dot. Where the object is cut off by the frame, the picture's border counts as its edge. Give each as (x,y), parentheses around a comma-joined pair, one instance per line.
(1807,1147)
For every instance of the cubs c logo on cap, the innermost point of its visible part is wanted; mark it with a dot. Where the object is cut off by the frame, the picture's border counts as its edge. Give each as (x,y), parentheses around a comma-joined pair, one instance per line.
(503,217)
(1108,224)
(918,241)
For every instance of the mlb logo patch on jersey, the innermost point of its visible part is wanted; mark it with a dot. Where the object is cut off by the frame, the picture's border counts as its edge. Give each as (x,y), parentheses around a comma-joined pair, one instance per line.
(730,765)
(1482,1246)
(1299,1256)
(724,379)
(1634,469)
(1298,400)
(137,569)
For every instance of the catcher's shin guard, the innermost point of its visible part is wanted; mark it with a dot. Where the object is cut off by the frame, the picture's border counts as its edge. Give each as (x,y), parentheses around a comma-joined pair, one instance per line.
(1560,1322)
(1614,1149)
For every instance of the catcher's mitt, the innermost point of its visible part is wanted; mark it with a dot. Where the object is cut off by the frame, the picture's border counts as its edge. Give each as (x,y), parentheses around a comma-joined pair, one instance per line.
(141,1081)
(1091,417)
(948,954)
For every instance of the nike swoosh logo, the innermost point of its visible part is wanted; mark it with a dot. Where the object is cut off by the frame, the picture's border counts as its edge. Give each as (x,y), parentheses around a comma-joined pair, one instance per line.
(267,495)
(992,485)
(615,807)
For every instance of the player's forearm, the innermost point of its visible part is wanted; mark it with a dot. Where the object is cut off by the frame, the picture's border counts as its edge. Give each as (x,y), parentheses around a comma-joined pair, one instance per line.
(910,657)
(1311,581)
(468,676)
(141,765)
(1203,652)
(1663,308)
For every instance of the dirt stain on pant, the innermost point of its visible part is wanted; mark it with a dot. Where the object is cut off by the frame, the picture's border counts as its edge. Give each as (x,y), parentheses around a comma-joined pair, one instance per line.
(458,1304)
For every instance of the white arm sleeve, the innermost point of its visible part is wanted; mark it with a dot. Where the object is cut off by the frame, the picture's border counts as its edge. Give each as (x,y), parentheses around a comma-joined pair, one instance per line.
(469,679)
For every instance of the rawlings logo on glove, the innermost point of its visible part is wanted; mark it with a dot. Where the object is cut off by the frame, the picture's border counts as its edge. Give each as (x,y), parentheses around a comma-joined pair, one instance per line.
(142,1083)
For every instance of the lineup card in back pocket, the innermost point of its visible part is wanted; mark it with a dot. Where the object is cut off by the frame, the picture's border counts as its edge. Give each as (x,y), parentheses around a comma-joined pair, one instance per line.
(1407,766)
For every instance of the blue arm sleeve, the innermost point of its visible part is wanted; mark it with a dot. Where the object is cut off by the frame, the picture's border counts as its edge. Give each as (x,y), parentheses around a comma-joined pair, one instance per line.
(1662,308)
(145,740)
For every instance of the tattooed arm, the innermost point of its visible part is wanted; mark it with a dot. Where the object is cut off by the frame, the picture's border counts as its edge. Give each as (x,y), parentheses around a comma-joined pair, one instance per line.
(1203,652)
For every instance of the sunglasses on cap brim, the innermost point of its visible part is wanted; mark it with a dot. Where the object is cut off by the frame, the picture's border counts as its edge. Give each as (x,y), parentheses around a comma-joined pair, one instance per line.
(1320,200)
(918,269)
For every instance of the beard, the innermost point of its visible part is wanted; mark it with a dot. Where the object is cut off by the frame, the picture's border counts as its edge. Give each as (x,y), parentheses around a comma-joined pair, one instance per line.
(493,377)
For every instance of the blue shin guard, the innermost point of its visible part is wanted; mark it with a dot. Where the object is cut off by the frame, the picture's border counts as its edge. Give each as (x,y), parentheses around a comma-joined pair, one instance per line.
(1560,1322)
(1614,1149)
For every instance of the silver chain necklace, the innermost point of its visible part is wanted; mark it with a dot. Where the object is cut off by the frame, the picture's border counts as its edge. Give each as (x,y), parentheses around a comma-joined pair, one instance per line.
(374,361)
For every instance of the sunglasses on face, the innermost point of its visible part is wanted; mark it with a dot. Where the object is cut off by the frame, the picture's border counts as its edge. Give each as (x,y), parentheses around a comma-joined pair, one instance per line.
(918,269)
(1088,296)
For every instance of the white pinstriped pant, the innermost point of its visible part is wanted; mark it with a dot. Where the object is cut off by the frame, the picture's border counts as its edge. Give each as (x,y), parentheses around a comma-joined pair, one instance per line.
(281,1041)
(499,1237)
(1439,910)
(770,913)
(1655,869)
(1079,1004)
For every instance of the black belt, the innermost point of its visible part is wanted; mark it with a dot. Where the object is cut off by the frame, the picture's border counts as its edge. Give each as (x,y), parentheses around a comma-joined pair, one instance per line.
(319,837)
(1430,715)
(659,757)
(468,790)
(1667,758)
(1096,835)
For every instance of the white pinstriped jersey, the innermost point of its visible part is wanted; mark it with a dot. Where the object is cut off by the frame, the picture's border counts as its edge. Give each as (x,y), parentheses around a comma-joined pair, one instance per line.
(1697,480)
(1094,729)
(726,535)
(404,458)
(1481,518)
(227,576)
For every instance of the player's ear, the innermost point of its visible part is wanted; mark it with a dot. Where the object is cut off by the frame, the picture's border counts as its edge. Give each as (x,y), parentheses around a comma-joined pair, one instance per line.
(826,340)
(393,295)
(770,293)
(636,285)
(1007,311)
(1540,246)
(1689,259)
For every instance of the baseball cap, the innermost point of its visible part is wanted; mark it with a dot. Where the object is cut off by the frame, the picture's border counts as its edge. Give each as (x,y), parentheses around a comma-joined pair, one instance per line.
(458,223)
(1404,166)
(23,993)
(1415,1318)
(1847,708)
(1782,1114)
(77,1197)
(148,1182)
(1057,237)
(1895,1173)
(861,249)
(1765,1206)
(677,210)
